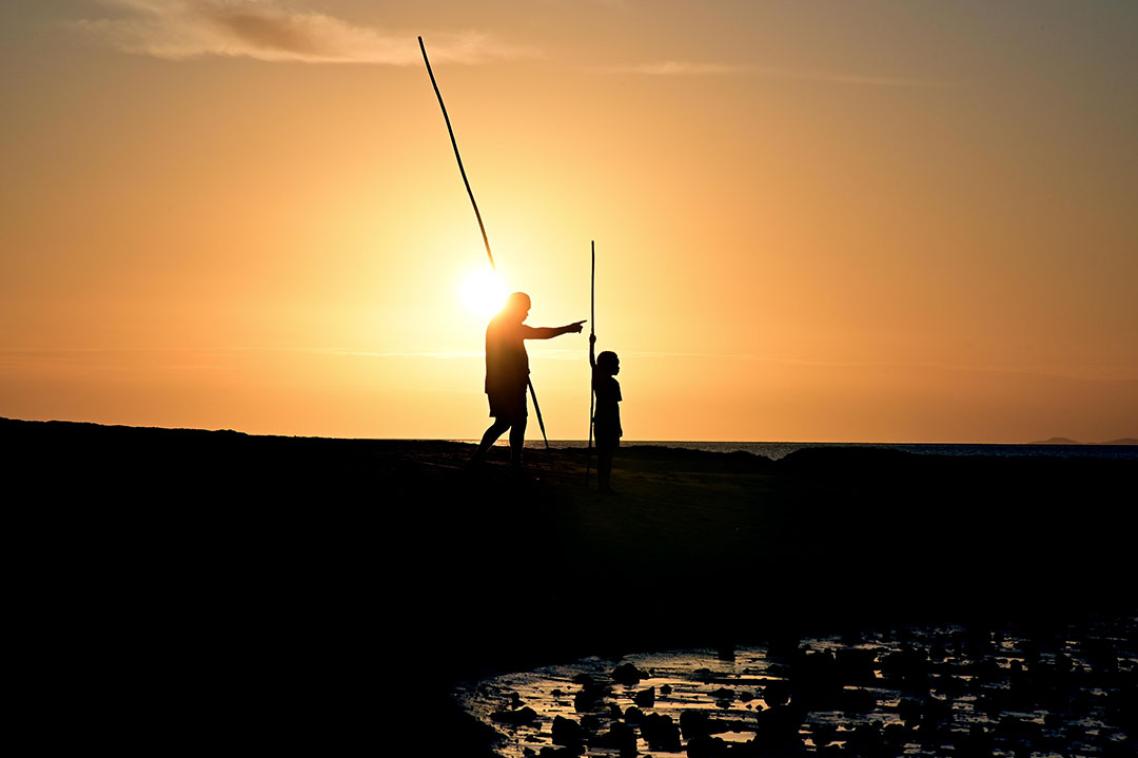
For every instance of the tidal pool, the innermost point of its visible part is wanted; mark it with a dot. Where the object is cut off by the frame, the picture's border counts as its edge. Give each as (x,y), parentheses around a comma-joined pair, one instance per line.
(910,691)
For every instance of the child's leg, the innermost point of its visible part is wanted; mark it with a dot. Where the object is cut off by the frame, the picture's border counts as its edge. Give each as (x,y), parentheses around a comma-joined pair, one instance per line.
(604,464)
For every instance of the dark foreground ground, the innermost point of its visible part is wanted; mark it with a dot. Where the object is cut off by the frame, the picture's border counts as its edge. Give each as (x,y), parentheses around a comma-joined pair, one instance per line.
(182,587)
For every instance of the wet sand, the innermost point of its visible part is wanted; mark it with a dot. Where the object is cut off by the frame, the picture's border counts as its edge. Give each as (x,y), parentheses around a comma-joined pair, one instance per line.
(313,591)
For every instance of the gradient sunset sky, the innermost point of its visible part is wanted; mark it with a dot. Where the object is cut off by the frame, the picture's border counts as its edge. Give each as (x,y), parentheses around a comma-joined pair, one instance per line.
(863,221)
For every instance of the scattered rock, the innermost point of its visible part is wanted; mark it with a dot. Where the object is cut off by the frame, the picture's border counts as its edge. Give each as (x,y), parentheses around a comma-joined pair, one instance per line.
(645,698)
(907,667)
(976,744)
(525,715)
(776,692)
(590,698)
(628,674)
(866,740)
(778,731)
(856,665)
(660,732)
(814,678)
(783,645)
(1064,676)
(621,737)
(695,724)
(858,701)
(822,733)
(558,752)
(591,722)
(567,732)
(704,746)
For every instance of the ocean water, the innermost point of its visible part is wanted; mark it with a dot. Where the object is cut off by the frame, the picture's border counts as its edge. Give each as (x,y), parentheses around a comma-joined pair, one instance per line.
(777,450)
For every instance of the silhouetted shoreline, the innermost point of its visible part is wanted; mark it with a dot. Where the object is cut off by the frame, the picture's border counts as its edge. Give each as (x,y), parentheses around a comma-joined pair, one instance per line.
(778,450)
(244,581)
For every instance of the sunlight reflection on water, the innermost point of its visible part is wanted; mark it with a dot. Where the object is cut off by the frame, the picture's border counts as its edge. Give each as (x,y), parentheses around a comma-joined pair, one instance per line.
(926,690)
(778,450)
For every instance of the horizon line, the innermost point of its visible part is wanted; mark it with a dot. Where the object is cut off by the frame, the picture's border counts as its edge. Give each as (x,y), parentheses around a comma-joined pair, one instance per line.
(473,440)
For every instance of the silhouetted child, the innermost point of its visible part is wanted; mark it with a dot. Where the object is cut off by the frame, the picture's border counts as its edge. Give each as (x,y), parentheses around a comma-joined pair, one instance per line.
(606,419)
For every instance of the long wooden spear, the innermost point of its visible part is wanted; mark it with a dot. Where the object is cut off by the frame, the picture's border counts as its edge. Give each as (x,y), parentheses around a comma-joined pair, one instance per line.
(592,333)
(477,214)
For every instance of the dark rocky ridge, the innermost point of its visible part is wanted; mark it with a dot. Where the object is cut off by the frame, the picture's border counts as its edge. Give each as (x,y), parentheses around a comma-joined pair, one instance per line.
(296,590)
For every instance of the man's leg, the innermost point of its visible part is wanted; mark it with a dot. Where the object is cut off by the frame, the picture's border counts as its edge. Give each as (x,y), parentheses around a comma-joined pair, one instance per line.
(490,436)
(517,441)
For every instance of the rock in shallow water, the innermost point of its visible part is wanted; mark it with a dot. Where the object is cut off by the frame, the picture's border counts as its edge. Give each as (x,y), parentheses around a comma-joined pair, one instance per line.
(628,674)
(661,733)
(567,732)
(621,737)
(946,702)
(521,716)
(646,698)
(591,697)
(776,692)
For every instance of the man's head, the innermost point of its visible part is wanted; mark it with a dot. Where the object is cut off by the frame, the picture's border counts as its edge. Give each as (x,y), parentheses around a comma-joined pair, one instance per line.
(608,363)
(517,307)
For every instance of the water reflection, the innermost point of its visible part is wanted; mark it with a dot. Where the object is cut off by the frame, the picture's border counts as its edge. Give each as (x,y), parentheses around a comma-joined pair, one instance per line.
(912,691)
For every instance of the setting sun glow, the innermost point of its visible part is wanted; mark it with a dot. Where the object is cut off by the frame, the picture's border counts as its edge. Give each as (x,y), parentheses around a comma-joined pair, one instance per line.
(483,292)
(873,222)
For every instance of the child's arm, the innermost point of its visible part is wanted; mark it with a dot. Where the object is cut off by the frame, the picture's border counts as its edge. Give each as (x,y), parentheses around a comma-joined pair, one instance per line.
(592,356)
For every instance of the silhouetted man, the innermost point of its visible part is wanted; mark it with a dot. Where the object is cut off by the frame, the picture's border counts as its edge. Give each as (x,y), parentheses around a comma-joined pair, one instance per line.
(507,372)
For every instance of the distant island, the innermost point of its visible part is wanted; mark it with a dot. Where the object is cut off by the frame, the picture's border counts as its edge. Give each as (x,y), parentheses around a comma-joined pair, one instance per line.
(1068,441)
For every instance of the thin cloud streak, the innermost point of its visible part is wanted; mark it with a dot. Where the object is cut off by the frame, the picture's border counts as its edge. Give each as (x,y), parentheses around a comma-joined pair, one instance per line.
(265,30)
(696,68)
(32,354)
(1089,373)
(677,68)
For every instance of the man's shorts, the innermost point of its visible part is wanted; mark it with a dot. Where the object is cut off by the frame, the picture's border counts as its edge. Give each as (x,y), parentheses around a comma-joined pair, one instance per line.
(508,406)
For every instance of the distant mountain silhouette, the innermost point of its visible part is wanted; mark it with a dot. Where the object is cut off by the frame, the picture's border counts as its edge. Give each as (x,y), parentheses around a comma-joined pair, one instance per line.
(1069,441)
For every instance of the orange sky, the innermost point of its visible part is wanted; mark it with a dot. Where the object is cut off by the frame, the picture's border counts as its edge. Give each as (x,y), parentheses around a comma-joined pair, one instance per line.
(815,221)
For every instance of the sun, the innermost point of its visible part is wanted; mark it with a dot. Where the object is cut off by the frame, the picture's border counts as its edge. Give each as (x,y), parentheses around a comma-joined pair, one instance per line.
(483,292)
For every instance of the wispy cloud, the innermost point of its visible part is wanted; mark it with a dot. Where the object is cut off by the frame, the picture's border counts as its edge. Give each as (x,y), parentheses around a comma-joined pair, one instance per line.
(13,358)
(853,78)
(678,68)
(712,68)
(267,30)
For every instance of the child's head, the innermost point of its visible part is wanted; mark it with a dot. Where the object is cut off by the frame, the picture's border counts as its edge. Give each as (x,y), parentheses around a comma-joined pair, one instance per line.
(608,363)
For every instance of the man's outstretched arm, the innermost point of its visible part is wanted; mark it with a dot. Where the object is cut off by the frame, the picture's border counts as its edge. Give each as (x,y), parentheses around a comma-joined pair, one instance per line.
(549,332)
